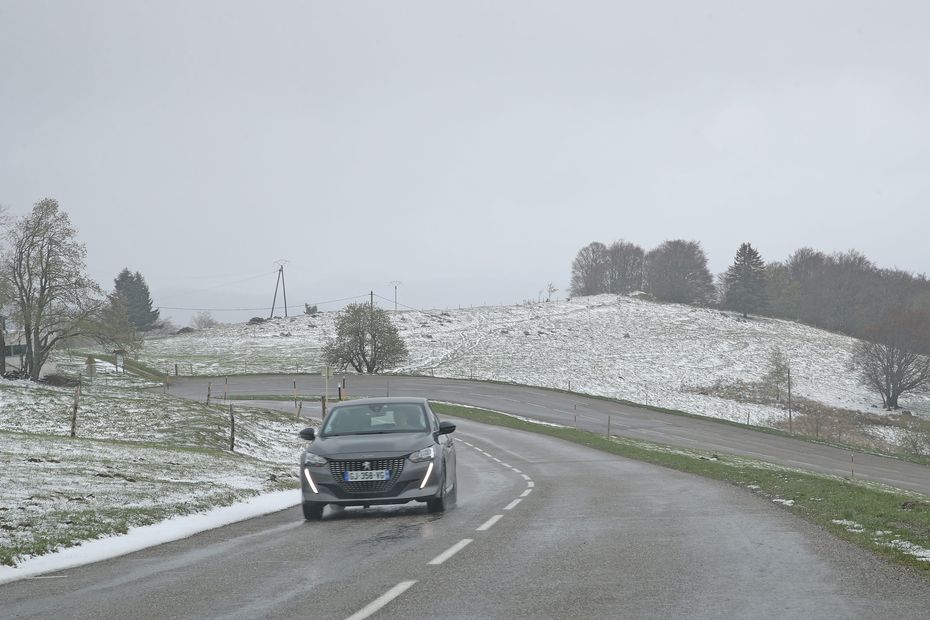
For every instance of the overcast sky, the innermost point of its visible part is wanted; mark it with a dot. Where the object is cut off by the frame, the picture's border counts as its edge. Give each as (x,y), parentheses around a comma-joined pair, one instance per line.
(465,149)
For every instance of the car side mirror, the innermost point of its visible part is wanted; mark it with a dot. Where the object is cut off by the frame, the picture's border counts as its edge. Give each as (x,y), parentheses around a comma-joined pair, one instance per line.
(445,428)
(308,433)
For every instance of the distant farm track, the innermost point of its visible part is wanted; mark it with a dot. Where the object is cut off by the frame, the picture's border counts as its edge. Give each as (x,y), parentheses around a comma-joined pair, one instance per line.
(592,414)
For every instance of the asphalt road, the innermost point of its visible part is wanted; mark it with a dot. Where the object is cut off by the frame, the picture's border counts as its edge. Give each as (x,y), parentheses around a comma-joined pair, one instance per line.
(543,529)
(592,414)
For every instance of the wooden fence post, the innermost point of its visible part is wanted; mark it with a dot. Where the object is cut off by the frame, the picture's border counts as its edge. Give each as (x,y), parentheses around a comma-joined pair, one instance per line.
(77,396)
(232,430)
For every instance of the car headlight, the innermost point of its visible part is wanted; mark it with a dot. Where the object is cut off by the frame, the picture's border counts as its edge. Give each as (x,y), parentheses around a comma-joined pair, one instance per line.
(426,454)
(313,460)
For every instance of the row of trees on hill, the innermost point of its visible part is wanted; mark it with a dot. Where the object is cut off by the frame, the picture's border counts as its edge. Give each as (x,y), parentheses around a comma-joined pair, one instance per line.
(47,298)
(676,271)
(887,309)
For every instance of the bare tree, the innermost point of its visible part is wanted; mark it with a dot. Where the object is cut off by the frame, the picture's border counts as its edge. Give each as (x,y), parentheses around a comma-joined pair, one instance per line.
(203,320)
(365,339)
(53,299)
(778,372)
(5,298)
(894,361)
(676,271)
(550,289)
(624,268)
(589,270)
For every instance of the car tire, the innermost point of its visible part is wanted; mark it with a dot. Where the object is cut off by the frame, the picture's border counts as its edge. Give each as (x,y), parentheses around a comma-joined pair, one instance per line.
(438,504)
(454,494)
(313,511)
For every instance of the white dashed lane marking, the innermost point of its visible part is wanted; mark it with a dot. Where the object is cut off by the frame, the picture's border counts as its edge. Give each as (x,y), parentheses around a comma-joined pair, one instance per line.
(448,553)
(490,523)
(381,601)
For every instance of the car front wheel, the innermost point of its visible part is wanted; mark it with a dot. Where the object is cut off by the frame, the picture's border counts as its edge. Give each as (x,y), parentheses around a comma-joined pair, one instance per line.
(313,511)
(438,504)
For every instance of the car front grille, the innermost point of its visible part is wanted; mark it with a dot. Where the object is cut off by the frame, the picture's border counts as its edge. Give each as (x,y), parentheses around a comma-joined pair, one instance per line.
(396,466)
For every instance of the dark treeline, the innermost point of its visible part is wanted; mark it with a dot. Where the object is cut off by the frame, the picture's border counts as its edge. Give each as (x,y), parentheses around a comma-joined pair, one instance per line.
(843,292)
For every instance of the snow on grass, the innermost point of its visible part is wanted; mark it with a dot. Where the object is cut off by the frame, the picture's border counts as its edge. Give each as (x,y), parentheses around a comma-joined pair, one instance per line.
(142,537)
(922,554)
(851,526)
(139,457)
(650,353)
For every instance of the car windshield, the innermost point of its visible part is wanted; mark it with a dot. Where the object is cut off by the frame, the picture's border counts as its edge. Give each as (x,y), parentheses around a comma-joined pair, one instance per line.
(375,418)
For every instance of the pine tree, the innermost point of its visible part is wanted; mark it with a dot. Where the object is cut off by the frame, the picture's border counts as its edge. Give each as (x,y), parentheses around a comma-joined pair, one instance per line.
(745,281)
(134,292)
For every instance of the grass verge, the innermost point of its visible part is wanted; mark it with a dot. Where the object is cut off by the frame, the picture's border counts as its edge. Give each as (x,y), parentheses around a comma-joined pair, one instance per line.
(889,522)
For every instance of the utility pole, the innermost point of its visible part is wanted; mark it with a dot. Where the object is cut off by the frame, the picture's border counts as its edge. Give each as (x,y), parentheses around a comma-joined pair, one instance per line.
(279,282)
(284,291)
(396,283)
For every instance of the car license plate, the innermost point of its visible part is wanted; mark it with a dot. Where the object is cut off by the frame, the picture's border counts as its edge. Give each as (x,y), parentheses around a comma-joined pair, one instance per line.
(365,475)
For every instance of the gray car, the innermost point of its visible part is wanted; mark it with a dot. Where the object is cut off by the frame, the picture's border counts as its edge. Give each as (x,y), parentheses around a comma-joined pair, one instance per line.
(378,451)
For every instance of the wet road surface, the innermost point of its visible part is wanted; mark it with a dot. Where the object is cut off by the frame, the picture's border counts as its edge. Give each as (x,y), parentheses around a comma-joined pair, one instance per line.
(542,529)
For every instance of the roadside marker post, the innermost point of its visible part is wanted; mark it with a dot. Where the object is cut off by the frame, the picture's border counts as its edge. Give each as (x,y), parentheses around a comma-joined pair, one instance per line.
(77,397)
(232,430)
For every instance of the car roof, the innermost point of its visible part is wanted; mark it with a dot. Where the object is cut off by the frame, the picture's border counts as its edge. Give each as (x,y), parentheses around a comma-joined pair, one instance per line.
(383,400)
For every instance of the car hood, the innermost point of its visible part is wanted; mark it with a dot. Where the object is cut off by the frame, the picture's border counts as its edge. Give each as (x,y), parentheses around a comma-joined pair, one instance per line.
(368,446)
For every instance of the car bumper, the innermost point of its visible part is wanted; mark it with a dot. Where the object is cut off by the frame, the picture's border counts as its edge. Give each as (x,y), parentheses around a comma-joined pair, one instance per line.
(409,486)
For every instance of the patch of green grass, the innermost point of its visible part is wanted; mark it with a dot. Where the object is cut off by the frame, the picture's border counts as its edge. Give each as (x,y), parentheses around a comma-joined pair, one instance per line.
(881,519)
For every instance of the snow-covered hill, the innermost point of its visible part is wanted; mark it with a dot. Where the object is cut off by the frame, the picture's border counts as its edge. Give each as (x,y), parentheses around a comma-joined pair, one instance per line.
(619,347)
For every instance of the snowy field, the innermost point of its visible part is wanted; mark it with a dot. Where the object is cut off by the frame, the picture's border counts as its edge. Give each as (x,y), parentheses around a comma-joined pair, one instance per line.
(650,353)
(139,457)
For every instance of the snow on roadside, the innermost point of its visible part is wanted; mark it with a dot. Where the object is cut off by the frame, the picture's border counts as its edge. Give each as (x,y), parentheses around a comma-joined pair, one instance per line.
(138,538)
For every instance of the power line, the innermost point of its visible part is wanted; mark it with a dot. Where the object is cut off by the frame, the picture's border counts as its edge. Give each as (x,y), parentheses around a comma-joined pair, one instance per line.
(211,288)
(427,313)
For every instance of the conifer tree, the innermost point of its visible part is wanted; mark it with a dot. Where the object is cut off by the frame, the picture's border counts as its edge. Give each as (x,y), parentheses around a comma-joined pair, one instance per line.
(134,292)
(745,281)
